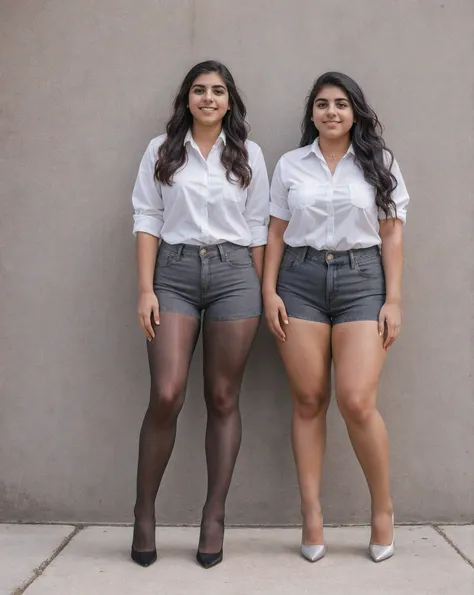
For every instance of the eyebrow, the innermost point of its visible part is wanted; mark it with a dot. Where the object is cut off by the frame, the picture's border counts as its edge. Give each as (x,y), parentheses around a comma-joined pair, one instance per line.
(204,86)
(337,99)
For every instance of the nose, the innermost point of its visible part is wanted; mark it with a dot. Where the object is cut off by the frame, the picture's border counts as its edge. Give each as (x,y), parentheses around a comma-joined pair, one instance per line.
(331,110)
(208,95)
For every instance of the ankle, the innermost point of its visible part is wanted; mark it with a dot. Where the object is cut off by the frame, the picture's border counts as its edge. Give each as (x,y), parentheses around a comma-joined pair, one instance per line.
(382,509)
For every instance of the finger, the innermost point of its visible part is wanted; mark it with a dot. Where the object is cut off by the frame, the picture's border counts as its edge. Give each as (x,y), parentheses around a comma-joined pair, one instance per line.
(390,335)
(276,326)
(149,327)
(142,326)
(381,325)
(393,338)
(283,314)
(156,314)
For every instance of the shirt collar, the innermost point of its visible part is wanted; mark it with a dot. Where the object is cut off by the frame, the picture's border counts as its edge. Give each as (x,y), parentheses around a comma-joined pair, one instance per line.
(189,138)
(315,148)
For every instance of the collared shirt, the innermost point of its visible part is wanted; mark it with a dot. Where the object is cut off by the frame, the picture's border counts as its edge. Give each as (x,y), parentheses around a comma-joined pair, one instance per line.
(329,212)
(202,207)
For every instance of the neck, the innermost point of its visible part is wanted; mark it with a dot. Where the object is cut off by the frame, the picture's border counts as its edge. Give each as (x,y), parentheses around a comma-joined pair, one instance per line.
(206,134)
(336,146)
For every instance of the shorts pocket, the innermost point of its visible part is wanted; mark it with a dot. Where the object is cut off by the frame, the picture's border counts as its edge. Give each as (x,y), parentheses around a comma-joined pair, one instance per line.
(240,259)
(370,268)
(167,257)
(289,260)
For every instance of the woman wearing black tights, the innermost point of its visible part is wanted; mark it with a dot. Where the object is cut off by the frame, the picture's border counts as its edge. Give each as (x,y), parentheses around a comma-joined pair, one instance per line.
(201,203)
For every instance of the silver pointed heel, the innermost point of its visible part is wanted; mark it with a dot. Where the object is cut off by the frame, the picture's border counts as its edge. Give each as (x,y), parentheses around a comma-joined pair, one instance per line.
(379,553)
(313,553)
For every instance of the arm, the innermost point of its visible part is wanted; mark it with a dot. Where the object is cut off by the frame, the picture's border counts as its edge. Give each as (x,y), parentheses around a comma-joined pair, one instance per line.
(258,255)
(256,212)
(392,260)
(147,249)
(391,234)
(148,221)
(275,311)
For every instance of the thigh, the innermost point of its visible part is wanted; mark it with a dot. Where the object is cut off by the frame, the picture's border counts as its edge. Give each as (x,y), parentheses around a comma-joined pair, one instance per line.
(358,356)
(171,351)
(306,355)
(226,347)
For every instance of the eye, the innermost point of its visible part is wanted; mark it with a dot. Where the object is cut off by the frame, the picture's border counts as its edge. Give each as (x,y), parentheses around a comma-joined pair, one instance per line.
(198,90)
(219,91)
(342,105)
(321,104)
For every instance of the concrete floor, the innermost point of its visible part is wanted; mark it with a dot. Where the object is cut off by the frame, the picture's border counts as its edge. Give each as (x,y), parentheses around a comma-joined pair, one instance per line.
(65,560)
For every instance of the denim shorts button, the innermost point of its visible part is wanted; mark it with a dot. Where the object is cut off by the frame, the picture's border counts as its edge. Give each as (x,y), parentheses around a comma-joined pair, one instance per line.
(330,257)
(203,252)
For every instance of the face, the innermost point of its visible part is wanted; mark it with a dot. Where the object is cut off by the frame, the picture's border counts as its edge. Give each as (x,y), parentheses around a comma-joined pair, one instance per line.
(333,115)
(208,99)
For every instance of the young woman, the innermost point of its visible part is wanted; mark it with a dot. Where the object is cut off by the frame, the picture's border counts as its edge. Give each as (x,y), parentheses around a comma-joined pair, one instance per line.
(202,188)
(333,270)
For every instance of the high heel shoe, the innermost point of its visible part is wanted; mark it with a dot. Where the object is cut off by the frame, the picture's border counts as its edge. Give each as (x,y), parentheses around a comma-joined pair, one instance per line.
(379,553)
(313,553)
(143,558)
(209,560)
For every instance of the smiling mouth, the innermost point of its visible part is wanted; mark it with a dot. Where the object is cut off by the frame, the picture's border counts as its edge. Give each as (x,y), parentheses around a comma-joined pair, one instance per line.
(208,109)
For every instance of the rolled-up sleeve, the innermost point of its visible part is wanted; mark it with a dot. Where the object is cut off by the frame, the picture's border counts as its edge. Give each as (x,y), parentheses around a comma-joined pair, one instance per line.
(279,195)
(257,206)
(146,197)
(400,196)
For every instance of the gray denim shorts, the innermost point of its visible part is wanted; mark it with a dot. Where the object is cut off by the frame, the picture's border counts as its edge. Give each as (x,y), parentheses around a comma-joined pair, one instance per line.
(220,280)
(332,287)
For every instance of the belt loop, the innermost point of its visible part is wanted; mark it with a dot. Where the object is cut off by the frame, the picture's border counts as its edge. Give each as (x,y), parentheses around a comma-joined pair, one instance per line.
(304,253)
(352,259)
(179,250)
(222,252)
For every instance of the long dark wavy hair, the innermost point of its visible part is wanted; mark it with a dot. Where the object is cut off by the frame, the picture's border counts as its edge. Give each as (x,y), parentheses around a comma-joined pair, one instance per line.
(234,157)
(366,137)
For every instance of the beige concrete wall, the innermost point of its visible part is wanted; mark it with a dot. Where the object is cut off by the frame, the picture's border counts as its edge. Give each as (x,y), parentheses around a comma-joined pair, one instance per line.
(84,86)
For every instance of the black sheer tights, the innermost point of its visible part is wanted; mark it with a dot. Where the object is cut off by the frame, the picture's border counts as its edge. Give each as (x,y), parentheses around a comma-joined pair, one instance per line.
(226,345)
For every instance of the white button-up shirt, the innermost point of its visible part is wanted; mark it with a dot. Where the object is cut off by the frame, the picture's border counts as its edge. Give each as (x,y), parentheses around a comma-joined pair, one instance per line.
(202,207)
(329,212)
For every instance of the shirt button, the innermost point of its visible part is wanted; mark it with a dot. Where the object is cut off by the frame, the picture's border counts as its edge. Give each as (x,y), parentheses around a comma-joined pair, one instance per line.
(330,257)
(203,252)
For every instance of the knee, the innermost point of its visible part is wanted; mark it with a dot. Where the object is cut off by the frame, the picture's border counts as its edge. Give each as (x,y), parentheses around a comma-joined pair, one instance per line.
(166,403)
(356,407)
(311,404)
(222,402)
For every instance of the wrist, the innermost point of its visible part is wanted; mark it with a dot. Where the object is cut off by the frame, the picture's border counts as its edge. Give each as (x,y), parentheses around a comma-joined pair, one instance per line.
(392,301)
(142,290)
(268,291)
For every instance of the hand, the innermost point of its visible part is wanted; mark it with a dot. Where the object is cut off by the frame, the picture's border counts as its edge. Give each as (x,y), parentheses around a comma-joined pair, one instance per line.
(390,318)
(275,314)
(148,306)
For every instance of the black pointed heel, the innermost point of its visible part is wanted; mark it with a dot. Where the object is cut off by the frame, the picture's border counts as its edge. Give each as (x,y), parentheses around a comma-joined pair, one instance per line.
(144,558)
(209,560)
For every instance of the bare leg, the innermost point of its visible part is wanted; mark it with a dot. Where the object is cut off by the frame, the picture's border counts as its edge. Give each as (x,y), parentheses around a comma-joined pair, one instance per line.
(306,356)
(358,360)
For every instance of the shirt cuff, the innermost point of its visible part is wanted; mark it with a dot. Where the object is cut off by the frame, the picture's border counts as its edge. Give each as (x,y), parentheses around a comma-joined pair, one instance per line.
(147,224)
(401,215)
(279,213)
(258,236)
